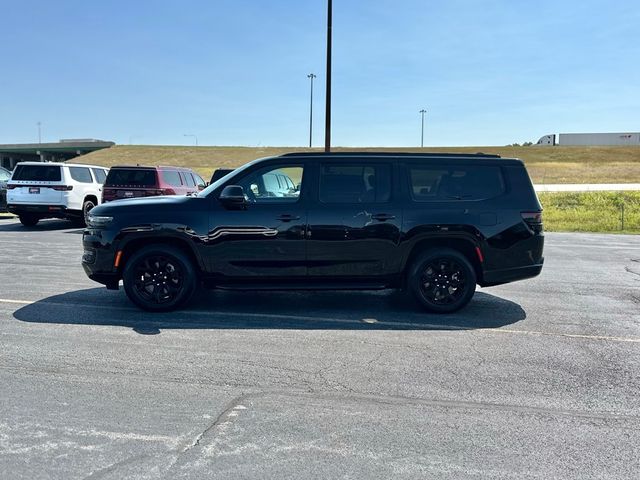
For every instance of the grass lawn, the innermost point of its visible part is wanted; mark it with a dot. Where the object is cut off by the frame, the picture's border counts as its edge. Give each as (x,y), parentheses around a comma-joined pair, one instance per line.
(545,164)
(611,212)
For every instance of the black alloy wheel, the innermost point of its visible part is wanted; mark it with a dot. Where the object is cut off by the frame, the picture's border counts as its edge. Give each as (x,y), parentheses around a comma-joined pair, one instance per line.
(443,280)
(159,278)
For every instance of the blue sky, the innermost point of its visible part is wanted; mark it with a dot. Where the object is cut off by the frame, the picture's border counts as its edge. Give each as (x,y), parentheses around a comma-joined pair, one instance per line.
(235,72)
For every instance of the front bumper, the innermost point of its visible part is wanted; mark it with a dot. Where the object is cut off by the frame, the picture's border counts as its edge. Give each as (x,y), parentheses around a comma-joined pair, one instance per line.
(98,260)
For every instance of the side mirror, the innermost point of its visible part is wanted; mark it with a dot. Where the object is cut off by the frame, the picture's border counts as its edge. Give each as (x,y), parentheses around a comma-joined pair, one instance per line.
(232,197)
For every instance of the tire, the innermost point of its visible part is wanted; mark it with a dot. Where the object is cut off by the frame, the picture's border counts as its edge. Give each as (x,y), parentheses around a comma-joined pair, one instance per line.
(159,278)
(442,280)
(87,206)
(29,220)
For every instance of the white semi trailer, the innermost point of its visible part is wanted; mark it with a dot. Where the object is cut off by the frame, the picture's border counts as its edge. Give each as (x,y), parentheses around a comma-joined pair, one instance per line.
(568,139)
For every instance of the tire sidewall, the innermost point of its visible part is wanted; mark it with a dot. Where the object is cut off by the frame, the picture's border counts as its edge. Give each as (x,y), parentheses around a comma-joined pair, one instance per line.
(421,262)
(189,283)
(87,206)
(28,220)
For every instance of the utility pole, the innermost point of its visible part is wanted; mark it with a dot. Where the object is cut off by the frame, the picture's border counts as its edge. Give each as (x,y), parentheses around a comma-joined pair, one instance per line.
(311,76)
(422,112)
(327,127)
(39,132)
(192,135)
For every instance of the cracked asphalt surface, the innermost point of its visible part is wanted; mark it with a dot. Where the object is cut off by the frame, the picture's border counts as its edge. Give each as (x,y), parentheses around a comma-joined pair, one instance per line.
(536,379)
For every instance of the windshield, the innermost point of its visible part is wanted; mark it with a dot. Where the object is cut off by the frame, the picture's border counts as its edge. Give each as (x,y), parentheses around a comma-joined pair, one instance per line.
(223,180)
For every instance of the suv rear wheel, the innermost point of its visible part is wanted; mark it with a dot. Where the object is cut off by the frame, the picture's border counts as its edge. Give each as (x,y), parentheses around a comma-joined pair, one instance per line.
(442,280)
(29,220)
(159,278)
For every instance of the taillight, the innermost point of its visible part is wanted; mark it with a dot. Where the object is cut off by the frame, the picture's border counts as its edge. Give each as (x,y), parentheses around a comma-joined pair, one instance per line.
(533,219)
(62,188)
(168,191)
(11,187)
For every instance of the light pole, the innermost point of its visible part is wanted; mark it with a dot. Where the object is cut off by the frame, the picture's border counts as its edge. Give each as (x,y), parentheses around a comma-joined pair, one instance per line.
(311,76)
(192,135)
(327,126)
(422,112)
(39,132)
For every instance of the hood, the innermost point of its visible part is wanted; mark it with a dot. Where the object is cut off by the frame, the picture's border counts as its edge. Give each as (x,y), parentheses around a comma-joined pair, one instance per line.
(143,203)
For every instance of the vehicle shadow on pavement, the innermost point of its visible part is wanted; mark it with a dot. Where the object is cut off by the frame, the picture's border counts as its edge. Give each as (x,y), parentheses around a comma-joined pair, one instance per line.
(41,226)
(351,310)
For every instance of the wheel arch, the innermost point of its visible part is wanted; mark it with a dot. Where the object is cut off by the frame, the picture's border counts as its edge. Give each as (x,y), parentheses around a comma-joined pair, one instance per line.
(465,244)
(131,245)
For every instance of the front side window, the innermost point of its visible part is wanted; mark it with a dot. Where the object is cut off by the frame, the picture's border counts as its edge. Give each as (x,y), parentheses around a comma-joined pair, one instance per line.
(81,174)
(273,184)
(455,182)
(357,183)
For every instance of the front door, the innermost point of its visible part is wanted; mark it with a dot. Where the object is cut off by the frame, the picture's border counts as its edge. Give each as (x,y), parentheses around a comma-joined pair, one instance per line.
(354,221)
(267,239)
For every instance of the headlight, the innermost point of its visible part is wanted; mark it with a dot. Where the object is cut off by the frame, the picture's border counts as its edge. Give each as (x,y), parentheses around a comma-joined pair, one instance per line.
(97,221)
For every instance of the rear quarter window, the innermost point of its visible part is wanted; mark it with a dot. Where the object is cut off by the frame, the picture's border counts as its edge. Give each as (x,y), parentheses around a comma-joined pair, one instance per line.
(171,177)
(38,173)
(430,183)
(135,177)
(81,174)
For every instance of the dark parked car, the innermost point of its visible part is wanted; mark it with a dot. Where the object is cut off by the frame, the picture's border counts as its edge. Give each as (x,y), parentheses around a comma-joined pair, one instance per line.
(219,173)
(5,175)
(435,224)
(132,182)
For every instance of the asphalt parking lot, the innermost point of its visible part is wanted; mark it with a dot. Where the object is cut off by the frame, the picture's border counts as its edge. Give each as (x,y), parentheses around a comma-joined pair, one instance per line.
(536,379)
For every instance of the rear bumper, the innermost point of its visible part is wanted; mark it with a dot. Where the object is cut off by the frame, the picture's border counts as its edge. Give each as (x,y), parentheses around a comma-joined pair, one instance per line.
(498,277)
(40,210)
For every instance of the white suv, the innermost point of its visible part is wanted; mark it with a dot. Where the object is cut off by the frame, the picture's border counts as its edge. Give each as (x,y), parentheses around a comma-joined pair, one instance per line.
(40,190)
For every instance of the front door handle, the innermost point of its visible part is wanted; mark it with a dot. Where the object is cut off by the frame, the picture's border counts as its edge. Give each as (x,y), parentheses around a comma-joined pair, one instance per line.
(383,216)
(288,218)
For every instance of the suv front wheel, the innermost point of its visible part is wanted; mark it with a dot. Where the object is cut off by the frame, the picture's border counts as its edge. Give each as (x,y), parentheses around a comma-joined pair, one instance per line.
(442,280)
(159,278)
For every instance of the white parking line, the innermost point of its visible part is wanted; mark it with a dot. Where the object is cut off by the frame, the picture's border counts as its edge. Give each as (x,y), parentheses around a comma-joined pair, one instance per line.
(365,321)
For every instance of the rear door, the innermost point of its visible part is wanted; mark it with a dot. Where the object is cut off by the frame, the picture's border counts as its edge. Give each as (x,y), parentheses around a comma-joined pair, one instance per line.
(354,222)
(36,185)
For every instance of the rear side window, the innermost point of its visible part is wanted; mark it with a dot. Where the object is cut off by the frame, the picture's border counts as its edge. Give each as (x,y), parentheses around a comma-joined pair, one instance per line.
(81,174)
(430,183)
(358,183)
(189,179)
(134,177)
(100,175)
(171,177)
(38,173)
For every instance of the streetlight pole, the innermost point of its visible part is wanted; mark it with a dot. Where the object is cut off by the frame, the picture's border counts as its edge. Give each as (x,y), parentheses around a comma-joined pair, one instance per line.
(192,135)
(422,112)
(311,76)
(327,127)
(39,132)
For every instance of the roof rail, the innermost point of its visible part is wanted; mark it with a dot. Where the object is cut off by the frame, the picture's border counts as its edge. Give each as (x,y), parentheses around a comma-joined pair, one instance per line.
(389,154)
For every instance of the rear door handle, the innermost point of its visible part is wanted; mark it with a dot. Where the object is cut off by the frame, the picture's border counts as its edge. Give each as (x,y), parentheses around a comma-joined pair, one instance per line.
(383,216)
(288,218)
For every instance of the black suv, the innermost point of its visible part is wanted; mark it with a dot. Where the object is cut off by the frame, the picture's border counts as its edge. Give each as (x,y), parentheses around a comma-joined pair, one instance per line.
(436,224)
